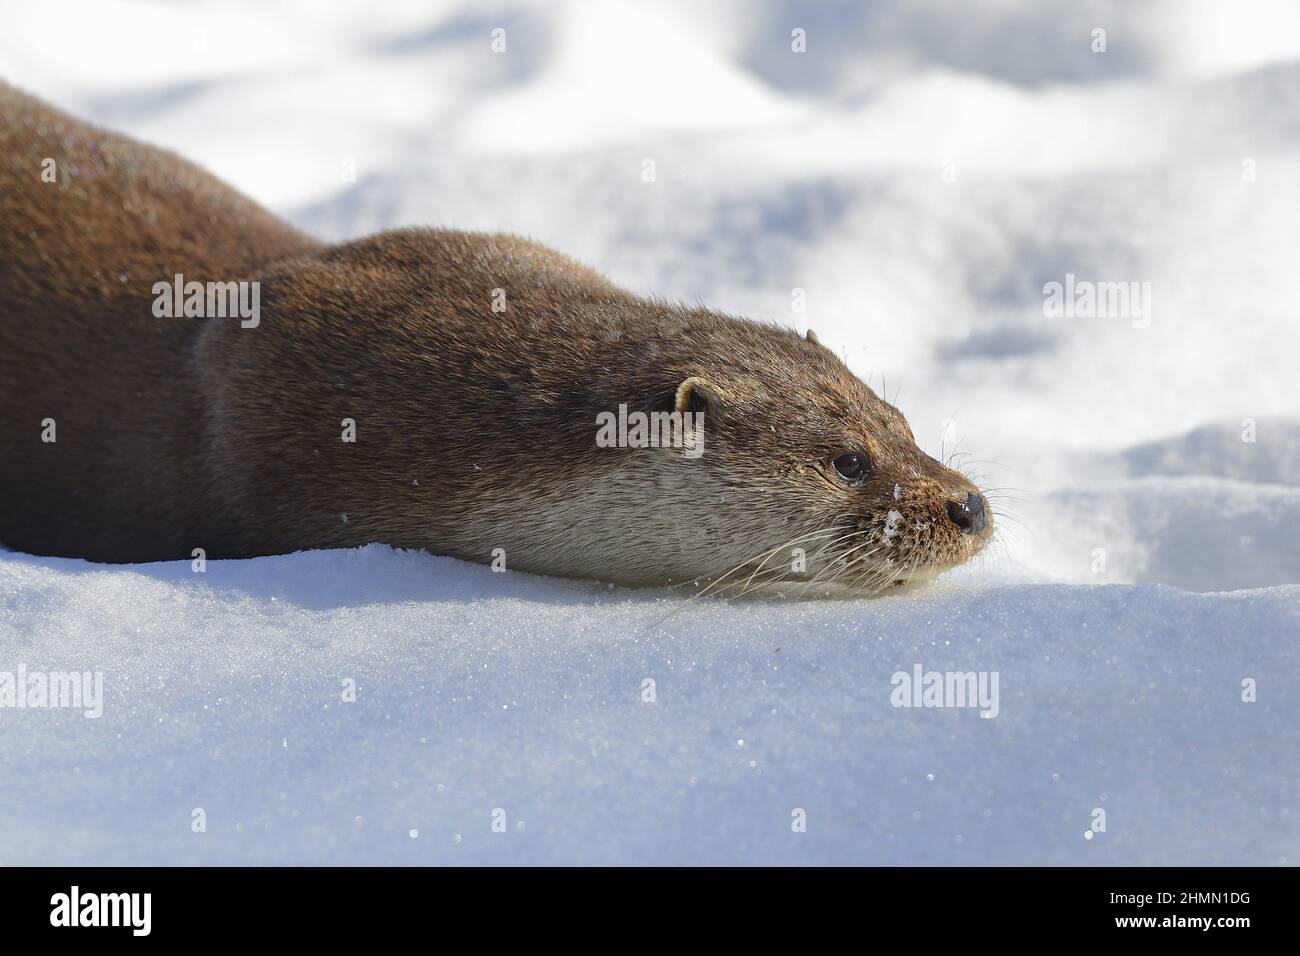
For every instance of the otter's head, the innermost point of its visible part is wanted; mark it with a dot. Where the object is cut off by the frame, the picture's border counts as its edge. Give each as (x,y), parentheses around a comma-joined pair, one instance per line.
(812,479)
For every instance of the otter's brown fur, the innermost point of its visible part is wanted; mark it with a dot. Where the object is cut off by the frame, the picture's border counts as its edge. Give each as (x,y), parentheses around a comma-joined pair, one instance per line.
(474,428)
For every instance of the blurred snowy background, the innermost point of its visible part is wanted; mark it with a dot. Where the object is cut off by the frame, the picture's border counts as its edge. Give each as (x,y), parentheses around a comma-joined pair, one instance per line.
(920,173)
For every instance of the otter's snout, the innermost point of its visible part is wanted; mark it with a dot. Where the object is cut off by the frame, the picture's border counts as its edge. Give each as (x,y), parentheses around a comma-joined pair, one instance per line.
(969,515)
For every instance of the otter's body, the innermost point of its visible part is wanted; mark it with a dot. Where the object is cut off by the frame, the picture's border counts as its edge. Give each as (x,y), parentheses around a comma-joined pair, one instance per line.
(422,388)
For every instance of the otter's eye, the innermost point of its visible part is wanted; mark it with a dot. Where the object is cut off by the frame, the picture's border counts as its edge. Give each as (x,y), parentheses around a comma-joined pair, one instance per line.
(851,466)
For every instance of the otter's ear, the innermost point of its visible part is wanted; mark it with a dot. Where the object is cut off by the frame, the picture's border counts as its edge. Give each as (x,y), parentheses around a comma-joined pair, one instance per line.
(698,394)
(811,336)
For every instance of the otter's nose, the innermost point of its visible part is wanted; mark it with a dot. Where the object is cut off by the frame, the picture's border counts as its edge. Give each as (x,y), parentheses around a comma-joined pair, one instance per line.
(969,515)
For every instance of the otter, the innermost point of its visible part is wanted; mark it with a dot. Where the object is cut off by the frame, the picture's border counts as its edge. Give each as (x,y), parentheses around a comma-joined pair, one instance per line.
(422,388)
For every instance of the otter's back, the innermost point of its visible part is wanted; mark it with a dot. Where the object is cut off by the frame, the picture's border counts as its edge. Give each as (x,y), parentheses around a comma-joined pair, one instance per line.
(89,222)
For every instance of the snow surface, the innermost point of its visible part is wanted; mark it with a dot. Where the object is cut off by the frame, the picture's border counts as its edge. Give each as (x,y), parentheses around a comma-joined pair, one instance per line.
(920,174)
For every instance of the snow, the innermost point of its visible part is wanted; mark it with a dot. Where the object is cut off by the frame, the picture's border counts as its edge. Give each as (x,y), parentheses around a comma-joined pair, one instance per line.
(919,183)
